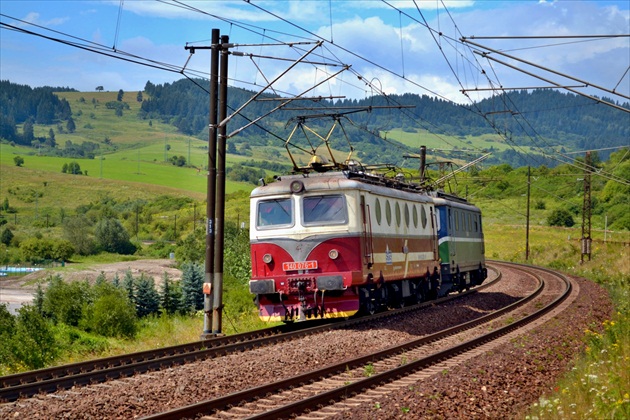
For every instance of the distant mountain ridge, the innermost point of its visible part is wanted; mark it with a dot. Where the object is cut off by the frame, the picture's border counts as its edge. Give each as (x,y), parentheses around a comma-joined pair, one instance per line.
(541,119)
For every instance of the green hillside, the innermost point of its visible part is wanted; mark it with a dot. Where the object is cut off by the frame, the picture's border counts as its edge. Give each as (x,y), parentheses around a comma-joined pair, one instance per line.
(143,175)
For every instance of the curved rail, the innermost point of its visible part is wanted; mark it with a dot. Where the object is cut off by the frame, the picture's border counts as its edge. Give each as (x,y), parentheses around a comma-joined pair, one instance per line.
(339,393)
(52,379)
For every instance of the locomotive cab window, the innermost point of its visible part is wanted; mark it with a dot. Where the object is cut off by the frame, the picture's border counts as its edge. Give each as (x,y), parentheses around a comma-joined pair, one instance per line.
(324,210)
(274,213)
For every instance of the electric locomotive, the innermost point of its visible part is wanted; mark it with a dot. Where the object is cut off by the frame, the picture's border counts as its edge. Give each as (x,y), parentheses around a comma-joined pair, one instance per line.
(333,244)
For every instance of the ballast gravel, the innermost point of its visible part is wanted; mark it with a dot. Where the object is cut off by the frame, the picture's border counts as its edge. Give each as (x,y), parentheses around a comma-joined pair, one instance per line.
(498,384)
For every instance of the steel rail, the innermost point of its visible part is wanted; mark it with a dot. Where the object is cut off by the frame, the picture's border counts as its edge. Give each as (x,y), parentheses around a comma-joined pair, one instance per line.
(234,399)
(343,392)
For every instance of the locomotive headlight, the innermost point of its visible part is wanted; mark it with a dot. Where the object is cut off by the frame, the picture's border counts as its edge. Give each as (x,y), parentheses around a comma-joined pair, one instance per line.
(297,186)
(333,254)
(267,258)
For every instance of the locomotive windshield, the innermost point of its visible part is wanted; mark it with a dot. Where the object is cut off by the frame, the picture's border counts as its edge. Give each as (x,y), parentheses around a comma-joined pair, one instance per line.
(324,210)
(273,213)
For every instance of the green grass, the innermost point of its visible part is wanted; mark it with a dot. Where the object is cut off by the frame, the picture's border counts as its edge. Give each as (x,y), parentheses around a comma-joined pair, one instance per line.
(443,141)
(139,166)
(134,167)
(597,386)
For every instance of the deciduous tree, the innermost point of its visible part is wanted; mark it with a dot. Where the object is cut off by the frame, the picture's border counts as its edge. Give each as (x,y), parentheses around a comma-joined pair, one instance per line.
(18,160)
(111,236)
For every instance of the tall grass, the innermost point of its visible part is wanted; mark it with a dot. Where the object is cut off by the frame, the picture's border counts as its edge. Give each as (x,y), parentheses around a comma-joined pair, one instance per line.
(598,386)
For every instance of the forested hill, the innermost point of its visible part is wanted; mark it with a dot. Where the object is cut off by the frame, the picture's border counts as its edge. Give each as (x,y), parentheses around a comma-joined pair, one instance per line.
(564,120)
(21,103)
(529,119)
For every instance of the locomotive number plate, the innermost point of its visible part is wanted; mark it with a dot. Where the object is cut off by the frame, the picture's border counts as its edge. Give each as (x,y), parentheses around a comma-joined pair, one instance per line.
(299,265)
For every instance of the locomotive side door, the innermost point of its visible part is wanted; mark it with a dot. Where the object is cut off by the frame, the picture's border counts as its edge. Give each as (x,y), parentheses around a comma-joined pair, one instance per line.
(453,227)
(368,250)
(434,232)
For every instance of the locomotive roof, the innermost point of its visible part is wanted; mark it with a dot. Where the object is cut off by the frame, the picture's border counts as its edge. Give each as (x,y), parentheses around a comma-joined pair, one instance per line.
(331,181)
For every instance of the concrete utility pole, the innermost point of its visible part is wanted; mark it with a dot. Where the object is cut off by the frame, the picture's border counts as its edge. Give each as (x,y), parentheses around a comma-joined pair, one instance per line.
(217,284)
(211,194)
(527,226)
(215,192)
(586,210)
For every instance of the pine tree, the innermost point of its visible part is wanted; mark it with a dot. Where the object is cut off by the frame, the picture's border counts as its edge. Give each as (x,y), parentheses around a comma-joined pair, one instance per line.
(70,125)
(116,280)
(147,298)
(170,296)
(192,287)
(6,236)
(100,279)
(38,302)
(128,285)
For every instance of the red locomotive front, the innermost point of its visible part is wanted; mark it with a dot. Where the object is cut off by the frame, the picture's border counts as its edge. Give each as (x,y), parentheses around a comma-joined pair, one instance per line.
(305,258)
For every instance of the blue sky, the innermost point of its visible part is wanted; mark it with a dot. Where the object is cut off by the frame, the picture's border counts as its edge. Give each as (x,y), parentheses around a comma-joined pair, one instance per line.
(387,44)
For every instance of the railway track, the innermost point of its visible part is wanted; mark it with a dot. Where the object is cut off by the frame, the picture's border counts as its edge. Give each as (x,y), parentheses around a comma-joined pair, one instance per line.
(337,387)
(27,384)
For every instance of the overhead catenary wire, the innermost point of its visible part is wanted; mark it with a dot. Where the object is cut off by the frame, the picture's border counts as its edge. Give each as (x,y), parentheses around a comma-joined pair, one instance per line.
(249,27)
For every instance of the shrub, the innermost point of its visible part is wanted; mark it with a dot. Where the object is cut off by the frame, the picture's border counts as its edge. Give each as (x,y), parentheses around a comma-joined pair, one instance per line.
(40,249)
(111,236)
(560,217)
(7,331)
(112,314)
(63,302)
(33,342)
(78,230)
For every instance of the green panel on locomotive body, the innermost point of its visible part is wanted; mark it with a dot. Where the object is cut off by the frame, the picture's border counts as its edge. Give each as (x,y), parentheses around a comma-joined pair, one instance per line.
(460,244)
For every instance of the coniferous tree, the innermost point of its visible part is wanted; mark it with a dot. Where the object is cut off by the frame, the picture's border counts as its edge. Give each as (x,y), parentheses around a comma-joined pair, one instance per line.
(100,279)
(128,285)
(116,280)
(170,295)
(192,287)
(50,140)
(147,298)
(38,302)
(70,125)
(6,236)
(27,132)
